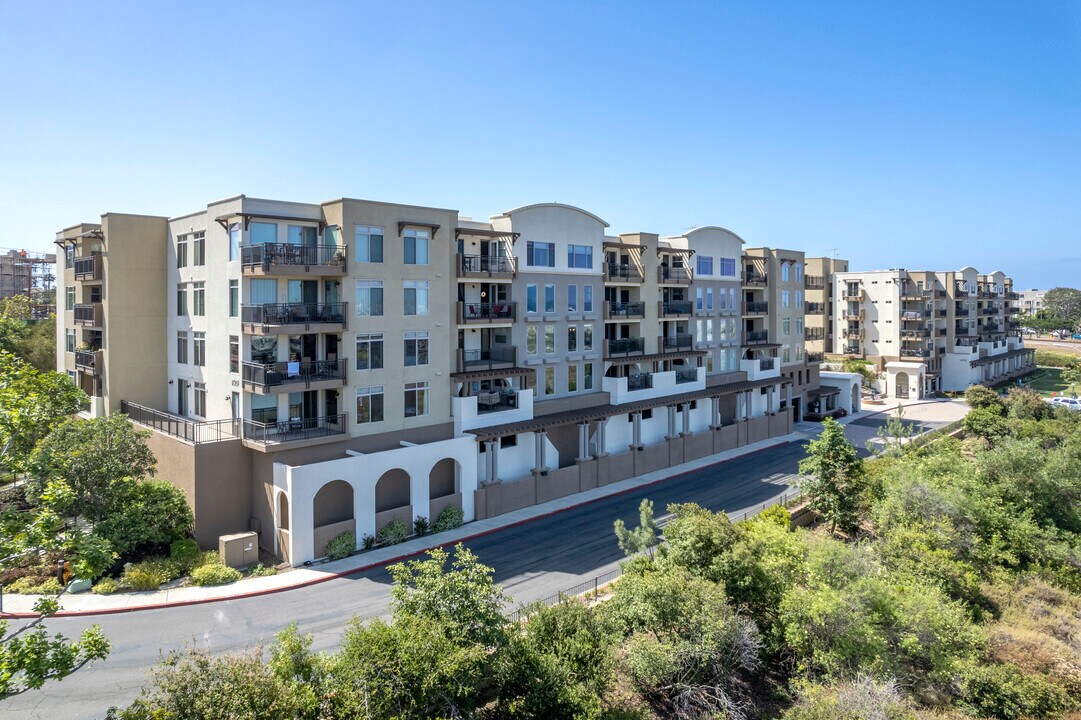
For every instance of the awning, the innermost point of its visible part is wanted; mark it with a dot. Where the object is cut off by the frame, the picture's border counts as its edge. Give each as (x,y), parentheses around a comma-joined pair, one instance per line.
(1001,356)
(478,232)
(492,374)
(675,355)
(823,391)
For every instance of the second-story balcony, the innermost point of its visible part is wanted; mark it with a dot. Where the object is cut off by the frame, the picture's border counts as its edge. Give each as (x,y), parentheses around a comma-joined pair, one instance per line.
(622,273)
(756,337)
(852,293)
(851,349)
(624,310)
(493,358)
(852,333)
(497,400)
(674,308)
(295,432)
(908,334)
(687,375)
(676,343)
(916,352)
(814,282)
(91,361)
(760,307)
(673,275)
(293,318)
(814,334)
(483,313)
(814,308)
(487,267)
(277,377)
(88,268)
(639,381)
(90,314)
(963,330)
(620,347)
(754,279)
(288,259)
(852,316)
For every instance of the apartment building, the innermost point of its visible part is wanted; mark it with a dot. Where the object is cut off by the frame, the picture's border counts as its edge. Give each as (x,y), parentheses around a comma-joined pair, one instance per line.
(819,305)
(1030,302)
(931,330)
(309,369)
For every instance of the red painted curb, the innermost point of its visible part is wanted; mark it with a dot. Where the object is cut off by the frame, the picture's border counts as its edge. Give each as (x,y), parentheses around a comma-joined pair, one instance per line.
(381,563)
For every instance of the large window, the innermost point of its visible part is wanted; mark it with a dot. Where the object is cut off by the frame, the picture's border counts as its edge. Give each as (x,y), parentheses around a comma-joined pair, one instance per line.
(531,340)
(369,298)
(549,339)
(572,338)
(786,298)
(587,298)
(415,243)
(587,376)
(549,381)
(182,347)
(369,244)
(587,337)
(540,254)
(705,265)
(370,351)
(69,339)
(182,251)
(200,399)
(234,298)
(416,348)
(699,298)
(198,249)
(799,298)
(786,271)
(263,232)
(572,378)
(69,298)
(549,298)
(198,299)
(709,298)
(181,300)
(416,297)
(369,404)
(579,256)
(234,353)
(530,298)
(234,241)
(199,345)
(572,298)
(416,399)
(799,272)
(303,235)
(727,266)
(786,326)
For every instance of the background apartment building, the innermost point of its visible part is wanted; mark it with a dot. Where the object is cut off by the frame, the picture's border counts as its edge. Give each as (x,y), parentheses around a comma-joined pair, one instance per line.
(930,330)
(819,305)
(1030,302)
(316,368)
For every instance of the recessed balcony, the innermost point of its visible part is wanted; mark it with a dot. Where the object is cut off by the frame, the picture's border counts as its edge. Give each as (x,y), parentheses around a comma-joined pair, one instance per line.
(916,352)
(754,279)
(849,334)
(497,401)
(89,268)
(676,343)
(756,337)
(484,313)
(915,334)
(624,310)
(756,308)
(287,259)
(91,314)
(814,308)
(814,282)
(493,358)
(278,377)
(295,432)
(622,347)
(486,267)
(90,361)
(674,308)
(855,316)
(293,318)
(673,275)
(688,375)
(622,273)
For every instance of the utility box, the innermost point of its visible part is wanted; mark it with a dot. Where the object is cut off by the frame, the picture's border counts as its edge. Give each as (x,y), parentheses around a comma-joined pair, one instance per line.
(239,550)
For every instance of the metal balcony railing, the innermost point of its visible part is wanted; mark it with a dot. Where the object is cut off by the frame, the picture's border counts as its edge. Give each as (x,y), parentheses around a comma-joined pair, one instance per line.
(88,360)
(673,274)
(88,268)
(276,314)
(192,431)
(626,309)
(487,264)
(814,308)
(626,346)
(677,342)
(488,312)
(686,376)
(267,255)
(915,352)
(755,337)
(767,363)
(500,355)
(488,402)
(267,375)
(755,279)
(294,429)
(88,314)
(755,308)
(639,381)
(677,307)
(622,272)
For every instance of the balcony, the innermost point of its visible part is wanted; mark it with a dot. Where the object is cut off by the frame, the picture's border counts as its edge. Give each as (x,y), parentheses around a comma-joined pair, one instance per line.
(286,259)
(856,334)
(620,347)
(857,316)
(756,308)
(813,282)
(1010,295)
(916,352)
(88,268)
(814,308)
(756,337)
(493,358)
(992,327)
(674,308)
(622,273)
(852,350)
(941,313)
(676,343)
(624,310)
(914,295)
(813,357)
(814,334)
(754,279)
(673,275)
(646,386)
(852,294)
(915,317)
(91,361)
(639,381)
(497,401)
(989,310)
(910,334)
(91,314)
(486,267)
(478,313)
(266,378)
(293,318)
(295,432)
(686,376)
(963,330)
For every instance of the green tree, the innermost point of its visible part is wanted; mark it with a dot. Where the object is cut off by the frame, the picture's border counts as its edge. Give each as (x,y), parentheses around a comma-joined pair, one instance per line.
(1072,374)
(30,656)
(92,457)
(833,476)
(643,537)
(32,404)
(986,423)
(697,538)
(893,436)
(978,396)
(1064,304)
(145,515)
(863,368)
(464,600)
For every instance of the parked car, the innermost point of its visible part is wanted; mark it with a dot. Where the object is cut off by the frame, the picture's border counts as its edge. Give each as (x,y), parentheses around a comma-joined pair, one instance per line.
(1076,336)
(1066,402)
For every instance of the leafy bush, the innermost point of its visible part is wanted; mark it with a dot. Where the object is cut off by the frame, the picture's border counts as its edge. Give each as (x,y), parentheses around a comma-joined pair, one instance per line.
(987,423)
(451,517)
(209,557)
(978,396)
(150,574)
(105,586)
(185,551)
(420,526)
(206,575)
(30,585)
(392,533)
(260,570)
(861,699)
(341,546)
(776,514)
(1046,358)
(1003,691)
(368,541)
(145,515)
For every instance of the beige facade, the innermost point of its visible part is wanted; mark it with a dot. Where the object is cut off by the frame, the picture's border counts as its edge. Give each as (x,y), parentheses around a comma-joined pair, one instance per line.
(819,305)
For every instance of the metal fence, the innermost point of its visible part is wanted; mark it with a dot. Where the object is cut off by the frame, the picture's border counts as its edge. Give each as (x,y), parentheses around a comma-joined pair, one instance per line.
(193,431)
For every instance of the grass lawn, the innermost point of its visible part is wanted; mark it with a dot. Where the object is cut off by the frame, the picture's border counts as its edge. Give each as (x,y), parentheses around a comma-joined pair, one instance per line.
(1047,380)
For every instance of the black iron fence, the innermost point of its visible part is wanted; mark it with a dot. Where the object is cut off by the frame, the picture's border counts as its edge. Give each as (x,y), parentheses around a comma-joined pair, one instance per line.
(193,431)
(268,254)
(267,375)
(271,314)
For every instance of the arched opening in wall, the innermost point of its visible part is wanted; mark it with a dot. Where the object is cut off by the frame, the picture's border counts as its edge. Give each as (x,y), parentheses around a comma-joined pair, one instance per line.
(444,486)
(283,511)
(332,514)
(855,398)
(901,385)
(281,534)
(393,499)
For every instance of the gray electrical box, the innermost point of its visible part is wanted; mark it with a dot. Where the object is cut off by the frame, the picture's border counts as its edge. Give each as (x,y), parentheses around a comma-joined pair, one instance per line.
(239,550)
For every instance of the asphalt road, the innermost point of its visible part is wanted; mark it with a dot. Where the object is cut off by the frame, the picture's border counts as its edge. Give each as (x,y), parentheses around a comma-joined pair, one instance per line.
(532,561)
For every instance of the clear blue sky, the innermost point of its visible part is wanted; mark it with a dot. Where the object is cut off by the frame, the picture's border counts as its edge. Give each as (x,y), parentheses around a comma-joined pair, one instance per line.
(903,134)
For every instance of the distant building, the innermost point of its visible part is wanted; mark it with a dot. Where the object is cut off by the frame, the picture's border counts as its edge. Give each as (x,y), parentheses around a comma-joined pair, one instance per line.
(1030,301)
(28,273)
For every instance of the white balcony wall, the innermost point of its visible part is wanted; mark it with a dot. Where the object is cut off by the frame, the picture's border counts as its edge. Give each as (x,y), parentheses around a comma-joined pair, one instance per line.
(664,384)
(467,418)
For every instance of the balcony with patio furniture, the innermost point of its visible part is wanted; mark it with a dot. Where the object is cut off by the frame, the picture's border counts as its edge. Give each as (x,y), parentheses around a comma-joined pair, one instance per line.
(645,386)
(491,401)
(622,273)
(622,347)
(852,333)
(688,375)
(916,352)
(624,310)
(90,361)
(756,337)
(675,343)
(497,357)
(289,259)
(674,308)
(486,267)
(487,313)
(294,432)
(90,314)
(814,308)
(756,308)
(293,376)
(293,318)
(753,278)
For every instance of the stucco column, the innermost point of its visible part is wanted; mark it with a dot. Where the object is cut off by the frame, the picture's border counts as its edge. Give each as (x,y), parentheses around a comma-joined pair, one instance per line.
(788,395)
(714,413)
(602,444)
(636,431)
(747,405)
(583,441)
(493,450)
(540,438)
(671,423)
(686,419)
(769,399)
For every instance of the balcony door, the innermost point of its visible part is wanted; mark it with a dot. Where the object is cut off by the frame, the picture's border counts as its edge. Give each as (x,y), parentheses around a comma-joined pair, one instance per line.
(305,236)
(304,405)
(303,291)
(182,398)
(331,291)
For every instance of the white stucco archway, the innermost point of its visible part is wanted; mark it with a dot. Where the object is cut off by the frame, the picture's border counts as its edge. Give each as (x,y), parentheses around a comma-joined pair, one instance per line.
(904,375)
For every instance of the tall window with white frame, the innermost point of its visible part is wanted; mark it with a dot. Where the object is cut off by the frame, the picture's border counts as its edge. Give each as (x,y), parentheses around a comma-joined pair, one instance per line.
(198,299)
(182,251)
(369,404)
(416,297)
(234,353)
(415,247)
(234,298)
(370,351)
(234,241)
(181,300)
(549,298)
(416,399)
(369,298)
(199,345)
(200,399)
(182,347)
(69,338)
(182,397)
(530,298)
(198,249)
(369,244)
(416,348)
(69,298)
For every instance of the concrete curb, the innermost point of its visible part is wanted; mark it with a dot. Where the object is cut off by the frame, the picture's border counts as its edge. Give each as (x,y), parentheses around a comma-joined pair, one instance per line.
(379,563)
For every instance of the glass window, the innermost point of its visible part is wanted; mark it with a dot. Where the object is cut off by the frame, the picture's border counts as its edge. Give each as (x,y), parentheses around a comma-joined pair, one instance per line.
(416,247)
(549,298)
(370,351)
(69,298)
(200,399)
(786,298)
(572,339)
(709,298)
(181,300)
(587,337)
(799,272)
(705,265)
(799,298)
(786,326)
(531,298)
(786,355)
(727,266)
(234,241)
(572,298)
(234,298)
(416,399)
(572,378)
(69,339)
(587,298)
(549,339)
(182,347)
(579,256)
(263,232)
(416,297)
(699,298)
(416,348)
(69,255)
(587,376)
(264,291)
(302,235)
(234,353)
(540,254)
(369,298)
(198,248)
(531,340)
(199,343)
(198,301)
(549,381)
(786,269)
(264,349)
(369,404)
(332,235)
(182,251)
(369,244)
(799,326)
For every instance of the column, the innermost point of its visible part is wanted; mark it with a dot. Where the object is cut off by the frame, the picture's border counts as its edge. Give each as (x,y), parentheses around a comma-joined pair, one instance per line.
(747,406)
(715,413)
(540,438)
(636,431)
(671,422)
(601,442)
(769,399)
(686,419)
(583,441)
(493,450)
